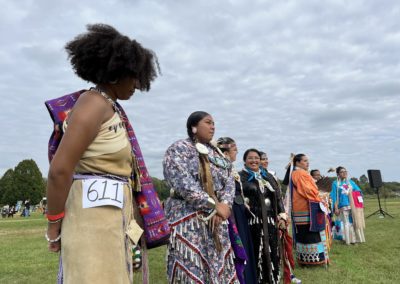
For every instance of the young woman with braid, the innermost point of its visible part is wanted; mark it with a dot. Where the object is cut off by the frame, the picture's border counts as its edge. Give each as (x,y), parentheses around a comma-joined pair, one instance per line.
(202,193)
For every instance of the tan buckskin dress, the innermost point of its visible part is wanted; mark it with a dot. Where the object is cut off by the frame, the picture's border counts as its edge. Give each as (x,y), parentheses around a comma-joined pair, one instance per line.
(95,248)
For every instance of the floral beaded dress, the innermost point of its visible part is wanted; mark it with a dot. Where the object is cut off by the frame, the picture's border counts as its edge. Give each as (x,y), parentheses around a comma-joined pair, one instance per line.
(192,256)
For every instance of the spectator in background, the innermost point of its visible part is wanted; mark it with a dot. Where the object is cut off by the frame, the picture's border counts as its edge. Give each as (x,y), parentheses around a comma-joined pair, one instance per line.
(11,212)
(316,174)
(27,208)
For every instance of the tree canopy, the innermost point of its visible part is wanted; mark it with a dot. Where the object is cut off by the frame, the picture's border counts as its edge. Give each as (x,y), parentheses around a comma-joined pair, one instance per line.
(24,182)
(161,188)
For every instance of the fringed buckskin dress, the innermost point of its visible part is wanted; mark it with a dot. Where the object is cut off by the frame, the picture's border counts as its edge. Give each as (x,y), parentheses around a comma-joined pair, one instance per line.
(95,248)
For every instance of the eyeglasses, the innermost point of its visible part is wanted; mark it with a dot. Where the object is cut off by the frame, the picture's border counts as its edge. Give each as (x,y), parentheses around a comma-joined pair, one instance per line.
(341,172)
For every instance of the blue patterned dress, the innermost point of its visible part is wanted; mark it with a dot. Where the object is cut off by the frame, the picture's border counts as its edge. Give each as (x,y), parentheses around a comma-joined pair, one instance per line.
(192,256)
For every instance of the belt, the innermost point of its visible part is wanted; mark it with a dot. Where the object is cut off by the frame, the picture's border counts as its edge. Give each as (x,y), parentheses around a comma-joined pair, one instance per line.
(104,176)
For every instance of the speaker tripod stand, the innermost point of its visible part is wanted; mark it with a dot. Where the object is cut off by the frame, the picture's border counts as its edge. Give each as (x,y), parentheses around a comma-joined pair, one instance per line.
(380,211)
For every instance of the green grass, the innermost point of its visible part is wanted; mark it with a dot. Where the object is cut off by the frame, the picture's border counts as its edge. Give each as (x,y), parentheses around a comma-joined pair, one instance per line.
(24,257)
(376,261)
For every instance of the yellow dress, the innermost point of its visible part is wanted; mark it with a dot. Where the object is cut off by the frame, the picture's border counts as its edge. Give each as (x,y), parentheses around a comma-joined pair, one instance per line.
(95,248)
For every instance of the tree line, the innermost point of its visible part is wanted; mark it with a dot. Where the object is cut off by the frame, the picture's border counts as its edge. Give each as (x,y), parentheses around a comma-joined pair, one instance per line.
(26,181)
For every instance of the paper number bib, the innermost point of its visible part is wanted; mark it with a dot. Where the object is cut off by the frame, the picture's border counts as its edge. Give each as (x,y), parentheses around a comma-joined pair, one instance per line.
(101,192)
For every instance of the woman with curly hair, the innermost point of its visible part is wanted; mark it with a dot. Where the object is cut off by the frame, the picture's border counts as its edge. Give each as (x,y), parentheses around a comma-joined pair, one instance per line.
(94,161)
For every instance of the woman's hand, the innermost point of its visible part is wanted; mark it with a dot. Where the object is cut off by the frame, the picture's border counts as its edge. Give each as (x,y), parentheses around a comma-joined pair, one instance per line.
(215,222)
(223,210)
(53,231)
(337,211)
(282,221)
(282,224)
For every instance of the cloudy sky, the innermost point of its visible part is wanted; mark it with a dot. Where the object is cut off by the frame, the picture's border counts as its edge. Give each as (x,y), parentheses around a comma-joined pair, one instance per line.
(318,77)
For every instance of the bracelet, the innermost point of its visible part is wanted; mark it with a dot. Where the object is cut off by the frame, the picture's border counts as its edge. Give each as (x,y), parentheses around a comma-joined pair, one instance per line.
(206,219)
(52,241)
(211,203)
(54,222)
(55,217)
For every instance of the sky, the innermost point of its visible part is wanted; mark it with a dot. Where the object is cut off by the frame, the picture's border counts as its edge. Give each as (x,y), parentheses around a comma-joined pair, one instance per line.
(314,77)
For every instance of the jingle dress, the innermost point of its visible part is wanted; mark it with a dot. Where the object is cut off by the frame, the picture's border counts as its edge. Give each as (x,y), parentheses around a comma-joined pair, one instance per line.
(192,256)
(263,225)
(94,246)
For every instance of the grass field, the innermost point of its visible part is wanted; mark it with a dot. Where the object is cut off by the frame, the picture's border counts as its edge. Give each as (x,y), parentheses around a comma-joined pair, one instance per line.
(24,257)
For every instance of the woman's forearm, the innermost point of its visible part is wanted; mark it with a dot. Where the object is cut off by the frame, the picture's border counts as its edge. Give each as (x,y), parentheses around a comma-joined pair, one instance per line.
(58,185)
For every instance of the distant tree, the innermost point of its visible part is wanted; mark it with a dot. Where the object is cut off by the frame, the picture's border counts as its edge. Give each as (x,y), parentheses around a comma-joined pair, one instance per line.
(393,186)
(28,182)
(356,181)
(6,187)
(367,189)
(363,179)
(161,188)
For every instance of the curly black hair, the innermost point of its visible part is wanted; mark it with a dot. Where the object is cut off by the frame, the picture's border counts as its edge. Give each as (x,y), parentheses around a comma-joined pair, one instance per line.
(103,55)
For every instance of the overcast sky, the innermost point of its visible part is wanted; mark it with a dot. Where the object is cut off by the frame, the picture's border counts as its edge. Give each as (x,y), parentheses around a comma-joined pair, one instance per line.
(317,77)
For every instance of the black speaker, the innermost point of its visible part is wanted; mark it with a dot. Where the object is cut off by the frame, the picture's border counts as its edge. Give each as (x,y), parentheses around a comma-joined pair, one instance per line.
(375,179)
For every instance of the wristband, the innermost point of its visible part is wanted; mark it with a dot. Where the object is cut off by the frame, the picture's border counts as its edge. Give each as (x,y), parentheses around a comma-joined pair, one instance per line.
(55,217)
